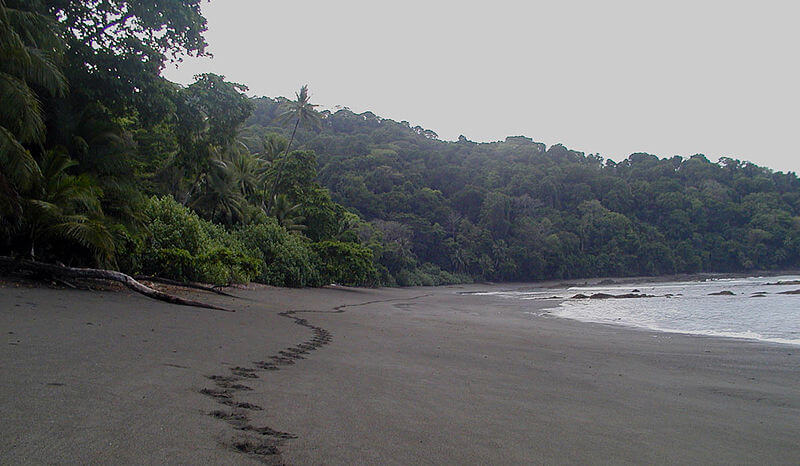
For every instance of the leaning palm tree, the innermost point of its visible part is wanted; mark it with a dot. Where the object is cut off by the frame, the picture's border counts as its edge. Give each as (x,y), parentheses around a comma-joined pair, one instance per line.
(301,111)
(28,47)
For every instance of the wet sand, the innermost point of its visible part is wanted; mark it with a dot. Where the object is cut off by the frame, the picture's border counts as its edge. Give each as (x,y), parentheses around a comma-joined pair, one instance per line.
(386,376)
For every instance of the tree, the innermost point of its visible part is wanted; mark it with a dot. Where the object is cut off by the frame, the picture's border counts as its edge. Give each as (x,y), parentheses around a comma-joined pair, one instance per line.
(246,171)
(116,49)
(272,145)
(65,207)
(287,214)
(217,194)
(29,50)
(302,112)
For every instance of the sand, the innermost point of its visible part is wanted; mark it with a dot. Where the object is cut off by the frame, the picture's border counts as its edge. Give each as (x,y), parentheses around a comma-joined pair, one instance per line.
(384,376)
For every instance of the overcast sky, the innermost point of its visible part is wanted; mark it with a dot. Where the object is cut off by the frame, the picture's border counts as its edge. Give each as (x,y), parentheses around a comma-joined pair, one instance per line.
(611,77)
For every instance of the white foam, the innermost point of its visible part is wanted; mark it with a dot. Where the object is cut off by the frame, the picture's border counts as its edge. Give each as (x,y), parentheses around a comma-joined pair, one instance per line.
(696,308)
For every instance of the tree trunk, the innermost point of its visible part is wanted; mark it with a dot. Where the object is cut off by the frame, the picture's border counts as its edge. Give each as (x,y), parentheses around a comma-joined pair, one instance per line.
(195,286)
(278,176)
(102,274)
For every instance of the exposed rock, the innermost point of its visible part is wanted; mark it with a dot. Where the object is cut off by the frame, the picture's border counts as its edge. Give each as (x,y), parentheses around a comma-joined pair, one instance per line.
(722,293)
(612,296)
(633,295)
(790,292)
(601,296)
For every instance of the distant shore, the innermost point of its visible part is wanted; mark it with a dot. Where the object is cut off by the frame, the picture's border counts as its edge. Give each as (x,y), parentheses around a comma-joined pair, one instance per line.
(398,376)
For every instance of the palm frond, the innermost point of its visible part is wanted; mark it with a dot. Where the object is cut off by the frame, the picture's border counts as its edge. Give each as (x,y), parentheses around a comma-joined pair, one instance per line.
(20,112)
(90,233)
(16,162)
(34,29)
(43,71)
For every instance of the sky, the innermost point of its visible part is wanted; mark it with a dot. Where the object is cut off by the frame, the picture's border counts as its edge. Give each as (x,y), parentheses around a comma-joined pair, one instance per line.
(721,78)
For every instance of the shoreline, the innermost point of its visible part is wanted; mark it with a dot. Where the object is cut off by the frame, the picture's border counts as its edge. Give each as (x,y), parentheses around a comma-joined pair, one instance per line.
(710,333)
(634,316)
(402,375)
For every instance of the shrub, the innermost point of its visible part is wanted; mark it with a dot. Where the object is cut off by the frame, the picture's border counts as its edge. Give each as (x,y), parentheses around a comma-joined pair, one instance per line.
(287,259)
(346,263)
(180,245)
(429,275)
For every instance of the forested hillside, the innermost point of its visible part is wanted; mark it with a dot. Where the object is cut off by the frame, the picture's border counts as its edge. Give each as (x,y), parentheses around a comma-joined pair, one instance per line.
(103,162)
(517,210)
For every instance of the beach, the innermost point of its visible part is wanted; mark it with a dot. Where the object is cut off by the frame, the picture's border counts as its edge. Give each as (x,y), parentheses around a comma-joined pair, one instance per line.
(376,376)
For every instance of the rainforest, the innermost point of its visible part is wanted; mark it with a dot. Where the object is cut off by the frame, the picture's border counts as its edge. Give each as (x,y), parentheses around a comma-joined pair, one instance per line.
(105,163)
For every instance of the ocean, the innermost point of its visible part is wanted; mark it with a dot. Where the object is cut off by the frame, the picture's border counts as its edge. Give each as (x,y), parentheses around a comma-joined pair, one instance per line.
(756,309)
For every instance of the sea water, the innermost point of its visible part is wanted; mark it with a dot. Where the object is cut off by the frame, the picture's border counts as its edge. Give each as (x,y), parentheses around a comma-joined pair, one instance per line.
(756,310)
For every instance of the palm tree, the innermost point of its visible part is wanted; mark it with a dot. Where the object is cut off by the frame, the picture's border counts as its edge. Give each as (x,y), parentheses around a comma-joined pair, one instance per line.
(286,214)
(245,170)
(65,207)
(217,193)
(348,223)
(273,144)
(28,47)
(301,111)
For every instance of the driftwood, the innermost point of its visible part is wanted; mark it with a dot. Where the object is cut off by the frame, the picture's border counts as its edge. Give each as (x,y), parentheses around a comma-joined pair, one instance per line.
(195,286)
(62,272)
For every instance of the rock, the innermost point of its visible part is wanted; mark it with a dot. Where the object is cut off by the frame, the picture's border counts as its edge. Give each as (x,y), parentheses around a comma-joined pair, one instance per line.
(790,292)
(612,296)
(722,293)
(635,291)
(619,296)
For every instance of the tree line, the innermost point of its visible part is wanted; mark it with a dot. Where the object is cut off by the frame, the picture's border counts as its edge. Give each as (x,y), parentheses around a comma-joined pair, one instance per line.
(518,210)
(103,162)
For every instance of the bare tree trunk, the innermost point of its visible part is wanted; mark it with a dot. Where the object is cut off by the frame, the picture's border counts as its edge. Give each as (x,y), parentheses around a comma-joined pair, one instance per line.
(195,286)
(102,274)
(278,176)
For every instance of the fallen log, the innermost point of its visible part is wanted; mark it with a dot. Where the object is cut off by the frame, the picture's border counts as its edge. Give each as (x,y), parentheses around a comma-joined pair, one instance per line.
(61,271)
(195,286)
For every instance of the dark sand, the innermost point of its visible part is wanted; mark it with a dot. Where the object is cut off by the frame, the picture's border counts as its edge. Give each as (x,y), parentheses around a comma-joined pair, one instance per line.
(421,375)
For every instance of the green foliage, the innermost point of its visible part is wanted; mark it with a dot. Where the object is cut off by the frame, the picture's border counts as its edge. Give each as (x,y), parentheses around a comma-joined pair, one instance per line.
(63,207)
(28,67)
(517,210)
(117,48)
(346,263)
(287,259)
(179,244)
(275,191)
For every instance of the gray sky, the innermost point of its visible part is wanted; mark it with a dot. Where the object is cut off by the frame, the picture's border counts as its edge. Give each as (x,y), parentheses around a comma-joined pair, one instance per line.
(611,77)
